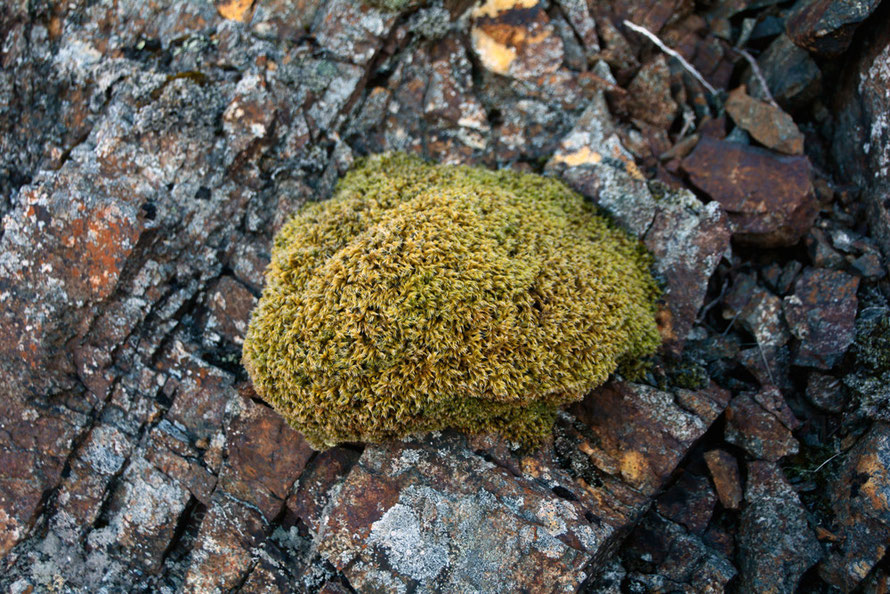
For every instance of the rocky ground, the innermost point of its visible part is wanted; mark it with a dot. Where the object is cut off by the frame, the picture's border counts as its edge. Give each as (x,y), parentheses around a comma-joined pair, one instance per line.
(149,151)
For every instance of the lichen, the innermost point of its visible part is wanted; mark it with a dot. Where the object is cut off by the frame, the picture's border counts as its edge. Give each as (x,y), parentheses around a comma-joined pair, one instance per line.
(422,297)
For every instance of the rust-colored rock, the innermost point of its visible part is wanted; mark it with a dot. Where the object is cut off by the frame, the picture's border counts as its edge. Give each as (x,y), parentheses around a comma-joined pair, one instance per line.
(767,124)
(725,472)
(769,198)
(860,498)
(764,431)
(821,314)
(643,447)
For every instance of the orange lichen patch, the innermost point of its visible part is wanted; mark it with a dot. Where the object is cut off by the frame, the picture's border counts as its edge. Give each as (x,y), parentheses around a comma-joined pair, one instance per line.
(495,56)
(97,248)
(235,10)
(517,35)
(633,466)
(878,484)
(630,166)
(494,7)
(583,156)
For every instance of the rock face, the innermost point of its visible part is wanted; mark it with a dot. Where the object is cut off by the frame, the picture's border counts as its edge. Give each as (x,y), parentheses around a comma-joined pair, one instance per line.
(768,197)
(861,147)
(150,150)
(437,513)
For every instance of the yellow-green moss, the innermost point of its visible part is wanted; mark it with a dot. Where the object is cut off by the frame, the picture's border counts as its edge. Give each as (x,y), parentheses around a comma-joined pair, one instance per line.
(422,297)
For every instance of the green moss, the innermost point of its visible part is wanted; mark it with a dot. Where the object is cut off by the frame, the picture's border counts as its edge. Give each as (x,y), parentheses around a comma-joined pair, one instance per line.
(422,297)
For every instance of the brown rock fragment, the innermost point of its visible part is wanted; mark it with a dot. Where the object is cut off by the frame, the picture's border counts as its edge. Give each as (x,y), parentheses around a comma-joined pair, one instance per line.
(767,124)
(776,544)
(826,27)
(769,198)
(725,471)
(650,94)
(821,314)
(761,432)
(644,446)
(265,457)
(224,550)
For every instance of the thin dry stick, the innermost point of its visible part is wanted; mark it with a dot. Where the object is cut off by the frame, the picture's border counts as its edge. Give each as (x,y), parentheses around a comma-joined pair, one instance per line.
(654,39)
(758,74)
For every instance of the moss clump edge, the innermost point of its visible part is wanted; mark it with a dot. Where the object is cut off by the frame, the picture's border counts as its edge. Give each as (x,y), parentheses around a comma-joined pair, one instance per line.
(422,297)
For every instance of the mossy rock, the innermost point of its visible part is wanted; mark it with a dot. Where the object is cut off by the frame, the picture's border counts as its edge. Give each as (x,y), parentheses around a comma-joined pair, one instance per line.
(422,297)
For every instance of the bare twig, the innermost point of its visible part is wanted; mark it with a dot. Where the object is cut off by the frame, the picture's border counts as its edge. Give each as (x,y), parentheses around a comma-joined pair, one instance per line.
(689,67)
(758,74)
(769,371)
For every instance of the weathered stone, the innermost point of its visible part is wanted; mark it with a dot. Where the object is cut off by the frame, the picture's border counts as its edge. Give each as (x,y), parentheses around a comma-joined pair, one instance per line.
(758,311)
(825,27)
(769,198)
(317,485)
(351,30)
(689,502)
(264,458)
(769,125)
(35,445)
(725,472)
(688,239)
(860,498)
(223,553)
(826,392)
(861,144)
(793,77)
(764,432)
(821,314)
(776,544)
(662,556)
(432,515)
(869,381)
(645,447)
(650,94)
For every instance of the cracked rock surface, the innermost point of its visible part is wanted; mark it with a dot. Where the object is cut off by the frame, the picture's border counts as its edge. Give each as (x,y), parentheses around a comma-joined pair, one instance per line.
(150,150)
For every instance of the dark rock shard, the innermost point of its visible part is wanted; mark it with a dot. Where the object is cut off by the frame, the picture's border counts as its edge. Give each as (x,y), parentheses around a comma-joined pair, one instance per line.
(861,144)
(821,314)
(793,77)
(826,27)
(767,124)
(689,502)
(724,471)
(762,425)
(776,544)
(662,556)
(826,392)
(769,198)
(859,499)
